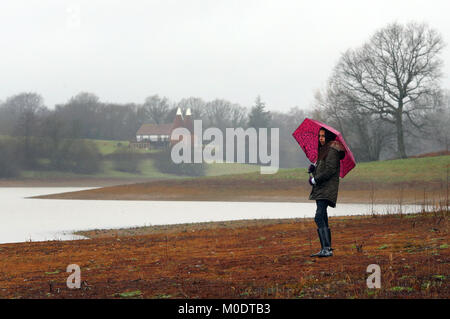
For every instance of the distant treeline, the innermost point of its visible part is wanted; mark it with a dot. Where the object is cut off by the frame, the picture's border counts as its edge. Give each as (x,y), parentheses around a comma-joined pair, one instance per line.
(35,153)
(51,138)
(80,156)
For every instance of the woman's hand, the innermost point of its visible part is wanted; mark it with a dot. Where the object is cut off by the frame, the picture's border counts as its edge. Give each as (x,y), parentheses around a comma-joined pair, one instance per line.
(311,168)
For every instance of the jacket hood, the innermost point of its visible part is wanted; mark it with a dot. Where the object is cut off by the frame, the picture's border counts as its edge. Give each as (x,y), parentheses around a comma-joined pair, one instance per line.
(337,145)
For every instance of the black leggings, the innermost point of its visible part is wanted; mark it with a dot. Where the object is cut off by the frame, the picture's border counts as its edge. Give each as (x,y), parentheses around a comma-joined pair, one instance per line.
(321,217)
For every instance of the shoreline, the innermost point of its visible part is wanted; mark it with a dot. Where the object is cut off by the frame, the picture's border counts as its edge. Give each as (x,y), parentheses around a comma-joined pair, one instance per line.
(155,191)
(213,225)
(243,199)
(94,233)
(73,182)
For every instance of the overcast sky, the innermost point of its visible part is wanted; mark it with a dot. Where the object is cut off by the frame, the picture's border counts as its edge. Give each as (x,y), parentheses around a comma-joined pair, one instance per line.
(124,51)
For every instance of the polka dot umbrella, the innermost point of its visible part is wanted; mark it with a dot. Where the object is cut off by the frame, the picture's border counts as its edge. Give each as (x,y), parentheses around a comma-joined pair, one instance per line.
(307,136)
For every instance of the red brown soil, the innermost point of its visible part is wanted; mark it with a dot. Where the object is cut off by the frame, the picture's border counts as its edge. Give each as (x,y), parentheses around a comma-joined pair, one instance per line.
(69,182)
(439,153)
(240,260)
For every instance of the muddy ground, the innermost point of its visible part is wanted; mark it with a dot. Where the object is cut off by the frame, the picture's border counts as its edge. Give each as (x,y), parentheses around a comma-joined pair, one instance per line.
(70,182)
(238,188)
(241,259)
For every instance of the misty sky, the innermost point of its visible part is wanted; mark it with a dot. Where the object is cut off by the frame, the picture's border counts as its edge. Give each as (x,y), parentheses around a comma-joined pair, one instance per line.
(124,51)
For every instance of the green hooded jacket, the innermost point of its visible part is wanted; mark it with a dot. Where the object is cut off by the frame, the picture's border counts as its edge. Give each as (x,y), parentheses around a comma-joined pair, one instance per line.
(326,175)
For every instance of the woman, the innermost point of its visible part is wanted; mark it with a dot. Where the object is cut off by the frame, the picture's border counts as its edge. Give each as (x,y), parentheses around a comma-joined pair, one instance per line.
(325,185)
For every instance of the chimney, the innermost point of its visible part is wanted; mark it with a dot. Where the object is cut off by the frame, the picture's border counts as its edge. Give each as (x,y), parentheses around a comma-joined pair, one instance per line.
(177,122)
(188,123)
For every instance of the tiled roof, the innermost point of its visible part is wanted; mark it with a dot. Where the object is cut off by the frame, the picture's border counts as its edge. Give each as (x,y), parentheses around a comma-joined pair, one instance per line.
(155,129)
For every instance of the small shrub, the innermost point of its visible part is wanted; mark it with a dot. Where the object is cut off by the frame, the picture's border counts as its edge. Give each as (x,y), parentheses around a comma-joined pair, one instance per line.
(126,160)
(8,164)
(164,163)
(77,156)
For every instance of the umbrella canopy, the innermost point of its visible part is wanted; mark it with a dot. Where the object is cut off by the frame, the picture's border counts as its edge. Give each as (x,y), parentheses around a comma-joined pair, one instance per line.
(307,136)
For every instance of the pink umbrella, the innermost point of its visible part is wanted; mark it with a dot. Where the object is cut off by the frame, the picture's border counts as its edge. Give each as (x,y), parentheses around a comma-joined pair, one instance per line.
(307,136)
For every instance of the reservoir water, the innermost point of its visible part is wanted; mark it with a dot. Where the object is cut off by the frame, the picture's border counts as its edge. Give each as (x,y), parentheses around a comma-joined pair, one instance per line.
(26,219)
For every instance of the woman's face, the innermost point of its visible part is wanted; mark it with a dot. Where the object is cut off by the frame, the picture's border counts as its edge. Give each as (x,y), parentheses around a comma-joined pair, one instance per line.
(322,137)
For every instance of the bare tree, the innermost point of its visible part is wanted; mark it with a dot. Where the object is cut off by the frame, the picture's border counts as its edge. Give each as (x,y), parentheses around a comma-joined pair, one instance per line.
(388,75)
(367,135)
(291,155)
(222,114)
(156,108)
(24,109)
(20,111)
(82,115)
(196,104)
(438,127)
(296,117)
(333,105)
(238,115)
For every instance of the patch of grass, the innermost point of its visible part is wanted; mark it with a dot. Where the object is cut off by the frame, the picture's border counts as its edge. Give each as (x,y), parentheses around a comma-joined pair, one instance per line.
(301,295)
(398,288)
(383,247)
(390,171)
(147,169)
(129,294)
(53,272)
(108,146)
(401,170)
(216,169)
(443,246)
(426,285)
(371,292)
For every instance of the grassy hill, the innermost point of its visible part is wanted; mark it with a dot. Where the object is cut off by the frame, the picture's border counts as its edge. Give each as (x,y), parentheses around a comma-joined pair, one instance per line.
(390,171)
(422,169)
(108,146)
(146,167)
